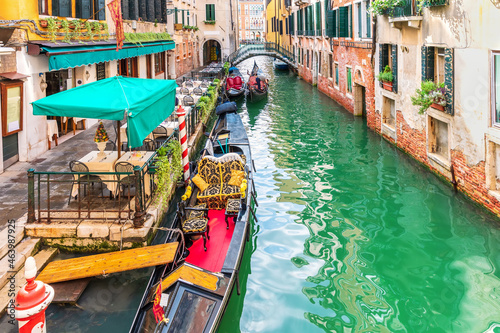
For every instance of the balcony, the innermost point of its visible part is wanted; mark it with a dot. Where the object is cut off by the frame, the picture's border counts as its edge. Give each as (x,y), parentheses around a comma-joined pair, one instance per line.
(408,12)
(434,3)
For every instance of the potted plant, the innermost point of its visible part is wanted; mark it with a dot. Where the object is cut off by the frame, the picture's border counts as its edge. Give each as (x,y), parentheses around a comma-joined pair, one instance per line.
(386,78)
(429,95)
(100,138)
(382,7)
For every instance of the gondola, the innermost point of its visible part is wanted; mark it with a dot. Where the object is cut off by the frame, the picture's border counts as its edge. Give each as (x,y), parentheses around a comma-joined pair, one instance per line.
(257,85)
(235,87)
(280,65)
(195,288)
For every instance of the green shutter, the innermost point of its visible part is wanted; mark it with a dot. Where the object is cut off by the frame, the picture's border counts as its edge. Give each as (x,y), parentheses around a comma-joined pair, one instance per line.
(183,22)
(360,24)
(208,15)
(368,21)
(318,17)
(330,23)
(449,78)
(176,18)
(349,19)
(213,12)
(335,23)
(292,24)
(343,22)
(349,80)
(394,58)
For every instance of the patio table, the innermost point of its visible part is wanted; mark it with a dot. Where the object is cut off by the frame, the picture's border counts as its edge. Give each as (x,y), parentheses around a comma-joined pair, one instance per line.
(138,158)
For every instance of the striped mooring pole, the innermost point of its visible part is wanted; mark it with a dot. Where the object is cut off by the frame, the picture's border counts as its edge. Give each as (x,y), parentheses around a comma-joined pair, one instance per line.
(181,114)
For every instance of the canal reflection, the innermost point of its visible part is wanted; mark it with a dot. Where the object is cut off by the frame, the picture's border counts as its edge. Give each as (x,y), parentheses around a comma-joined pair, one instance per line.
(355,236)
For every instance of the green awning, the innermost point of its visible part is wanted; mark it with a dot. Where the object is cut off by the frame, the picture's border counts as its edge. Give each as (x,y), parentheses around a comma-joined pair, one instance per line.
(144,102)
(78,55)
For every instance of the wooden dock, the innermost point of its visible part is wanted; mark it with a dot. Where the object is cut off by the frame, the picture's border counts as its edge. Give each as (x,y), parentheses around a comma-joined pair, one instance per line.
(107,263)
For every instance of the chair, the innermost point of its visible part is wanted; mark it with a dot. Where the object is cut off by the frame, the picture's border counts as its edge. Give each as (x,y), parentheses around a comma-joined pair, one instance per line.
(184,91)
(204,84)
(77,166)
(148,145)
(194,221)
(189,83)
(160,135)
(233,207)
(188,100)
(197,91)
(125,180)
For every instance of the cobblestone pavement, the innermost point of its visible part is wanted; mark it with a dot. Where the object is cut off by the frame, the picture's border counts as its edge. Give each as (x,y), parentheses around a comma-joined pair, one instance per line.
(14,180)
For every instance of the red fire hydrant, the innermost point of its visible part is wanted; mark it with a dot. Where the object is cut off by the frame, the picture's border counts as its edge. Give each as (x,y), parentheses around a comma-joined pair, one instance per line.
(32,300)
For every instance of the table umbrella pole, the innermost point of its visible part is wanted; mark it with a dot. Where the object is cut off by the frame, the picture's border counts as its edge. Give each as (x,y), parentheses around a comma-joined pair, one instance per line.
(118,139)
(181,114)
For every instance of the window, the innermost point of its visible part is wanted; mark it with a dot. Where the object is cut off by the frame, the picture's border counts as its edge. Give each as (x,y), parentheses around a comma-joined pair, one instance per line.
(330,64)
(389,112)
(331,23)
(85,9)
(438,138)
(388,56)
(100,69)
(344,21)
(11,93)
(210,9)
(43,7)
(438,66)
(362,19)
(159,63)
(439,61)
(496,87)
(128,67)
(349,80)
(336,75)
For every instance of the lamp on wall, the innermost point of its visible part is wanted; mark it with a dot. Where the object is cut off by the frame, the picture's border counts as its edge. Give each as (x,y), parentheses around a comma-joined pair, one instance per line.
(87,75)
(496,3)
(43,85)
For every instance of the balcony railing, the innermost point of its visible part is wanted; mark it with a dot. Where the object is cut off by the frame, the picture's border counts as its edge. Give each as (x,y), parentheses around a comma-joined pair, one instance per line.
(434,3)
(409,8)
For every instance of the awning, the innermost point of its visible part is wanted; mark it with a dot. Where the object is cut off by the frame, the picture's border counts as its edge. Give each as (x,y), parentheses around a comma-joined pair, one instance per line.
(79,55)
(13,75)
(144,102)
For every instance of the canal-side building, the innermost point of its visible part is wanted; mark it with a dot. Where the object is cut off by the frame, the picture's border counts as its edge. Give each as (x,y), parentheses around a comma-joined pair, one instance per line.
(450,44)
(252,20)
(332,43)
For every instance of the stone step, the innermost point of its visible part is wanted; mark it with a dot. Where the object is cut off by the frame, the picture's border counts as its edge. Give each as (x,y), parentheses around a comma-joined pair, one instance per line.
(13,261)
(17,280)
(12,235)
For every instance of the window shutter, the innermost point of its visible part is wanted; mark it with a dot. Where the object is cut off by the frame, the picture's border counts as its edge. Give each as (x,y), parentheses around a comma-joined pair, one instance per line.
(343,21)
(158,15)
(394,57)
(360,22)
(208,16)
(368,21)
(330,24)
(183,21)
(143,12)
(318,17)
(150,4)
(292,24)
(449,78)
(349,19)
(125,10)
(213,12)
(98,4)
(61,8)
(335,23)
(83,9)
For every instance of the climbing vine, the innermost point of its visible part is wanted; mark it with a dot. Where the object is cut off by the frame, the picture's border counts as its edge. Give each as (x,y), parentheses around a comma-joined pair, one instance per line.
(67,35)
(169,169)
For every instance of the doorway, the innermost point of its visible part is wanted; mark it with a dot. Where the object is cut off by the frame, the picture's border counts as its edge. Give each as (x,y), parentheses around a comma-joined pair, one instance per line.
(211,52)
(359,100)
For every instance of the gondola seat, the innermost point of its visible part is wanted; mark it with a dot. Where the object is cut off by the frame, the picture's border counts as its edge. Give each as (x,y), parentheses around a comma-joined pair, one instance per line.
(219,179)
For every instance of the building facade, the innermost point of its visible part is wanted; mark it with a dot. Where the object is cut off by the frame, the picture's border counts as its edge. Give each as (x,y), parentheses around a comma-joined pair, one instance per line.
(447,44)
(52,46)
(252,20)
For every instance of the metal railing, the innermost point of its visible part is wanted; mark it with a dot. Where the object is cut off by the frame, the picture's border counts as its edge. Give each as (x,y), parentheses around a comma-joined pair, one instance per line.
(262,48)
(409,8)
(99,195)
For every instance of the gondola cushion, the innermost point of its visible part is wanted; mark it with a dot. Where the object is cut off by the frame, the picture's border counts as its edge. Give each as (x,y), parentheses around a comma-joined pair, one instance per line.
(233,206)
(194,225)
(197,213)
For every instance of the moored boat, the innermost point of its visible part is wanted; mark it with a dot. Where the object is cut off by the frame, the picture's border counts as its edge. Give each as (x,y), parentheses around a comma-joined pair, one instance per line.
(234,86)
(280,65)
(191,294)
(257,85)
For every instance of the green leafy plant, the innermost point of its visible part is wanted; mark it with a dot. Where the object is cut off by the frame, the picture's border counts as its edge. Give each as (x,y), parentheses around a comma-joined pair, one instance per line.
(226,67)
(67,34)
(216,80)
(144,37)
(381,7)
(90,32)
(386,75)
(209,22)
(52,25)
(105,35)
(169,169)
(156,23)
(428,94)
(96,27)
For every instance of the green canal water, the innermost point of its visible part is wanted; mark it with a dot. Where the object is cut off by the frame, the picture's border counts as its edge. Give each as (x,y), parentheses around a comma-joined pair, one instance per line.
(353,236)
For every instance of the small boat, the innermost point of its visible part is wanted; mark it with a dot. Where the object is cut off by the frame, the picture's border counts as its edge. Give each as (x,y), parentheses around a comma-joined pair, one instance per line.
(257,85)
(235,86)
(190,294)
(280,65)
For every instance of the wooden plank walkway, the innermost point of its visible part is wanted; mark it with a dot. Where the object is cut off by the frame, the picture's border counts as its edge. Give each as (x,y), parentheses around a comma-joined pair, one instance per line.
(107,263)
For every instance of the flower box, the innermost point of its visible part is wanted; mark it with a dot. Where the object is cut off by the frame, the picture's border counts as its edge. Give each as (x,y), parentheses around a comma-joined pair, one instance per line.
(387,85)
(437,107)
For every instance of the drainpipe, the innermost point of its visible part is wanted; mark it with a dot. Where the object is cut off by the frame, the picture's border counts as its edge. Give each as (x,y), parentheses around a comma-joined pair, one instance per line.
(374,42)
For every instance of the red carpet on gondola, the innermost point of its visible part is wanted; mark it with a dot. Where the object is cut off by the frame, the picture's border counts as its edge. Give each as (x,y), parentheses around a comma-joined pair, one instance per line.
(220,237)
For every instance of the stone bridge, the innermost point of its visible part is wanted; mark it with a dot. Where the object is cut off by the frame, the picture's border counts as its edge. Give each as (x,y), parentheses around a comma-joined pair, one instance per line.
(273,50)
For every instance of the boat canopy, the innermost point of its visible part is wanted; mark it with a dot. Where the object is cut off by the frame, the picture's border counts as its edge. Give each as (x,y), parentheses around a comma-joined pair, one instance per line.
(145,103)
